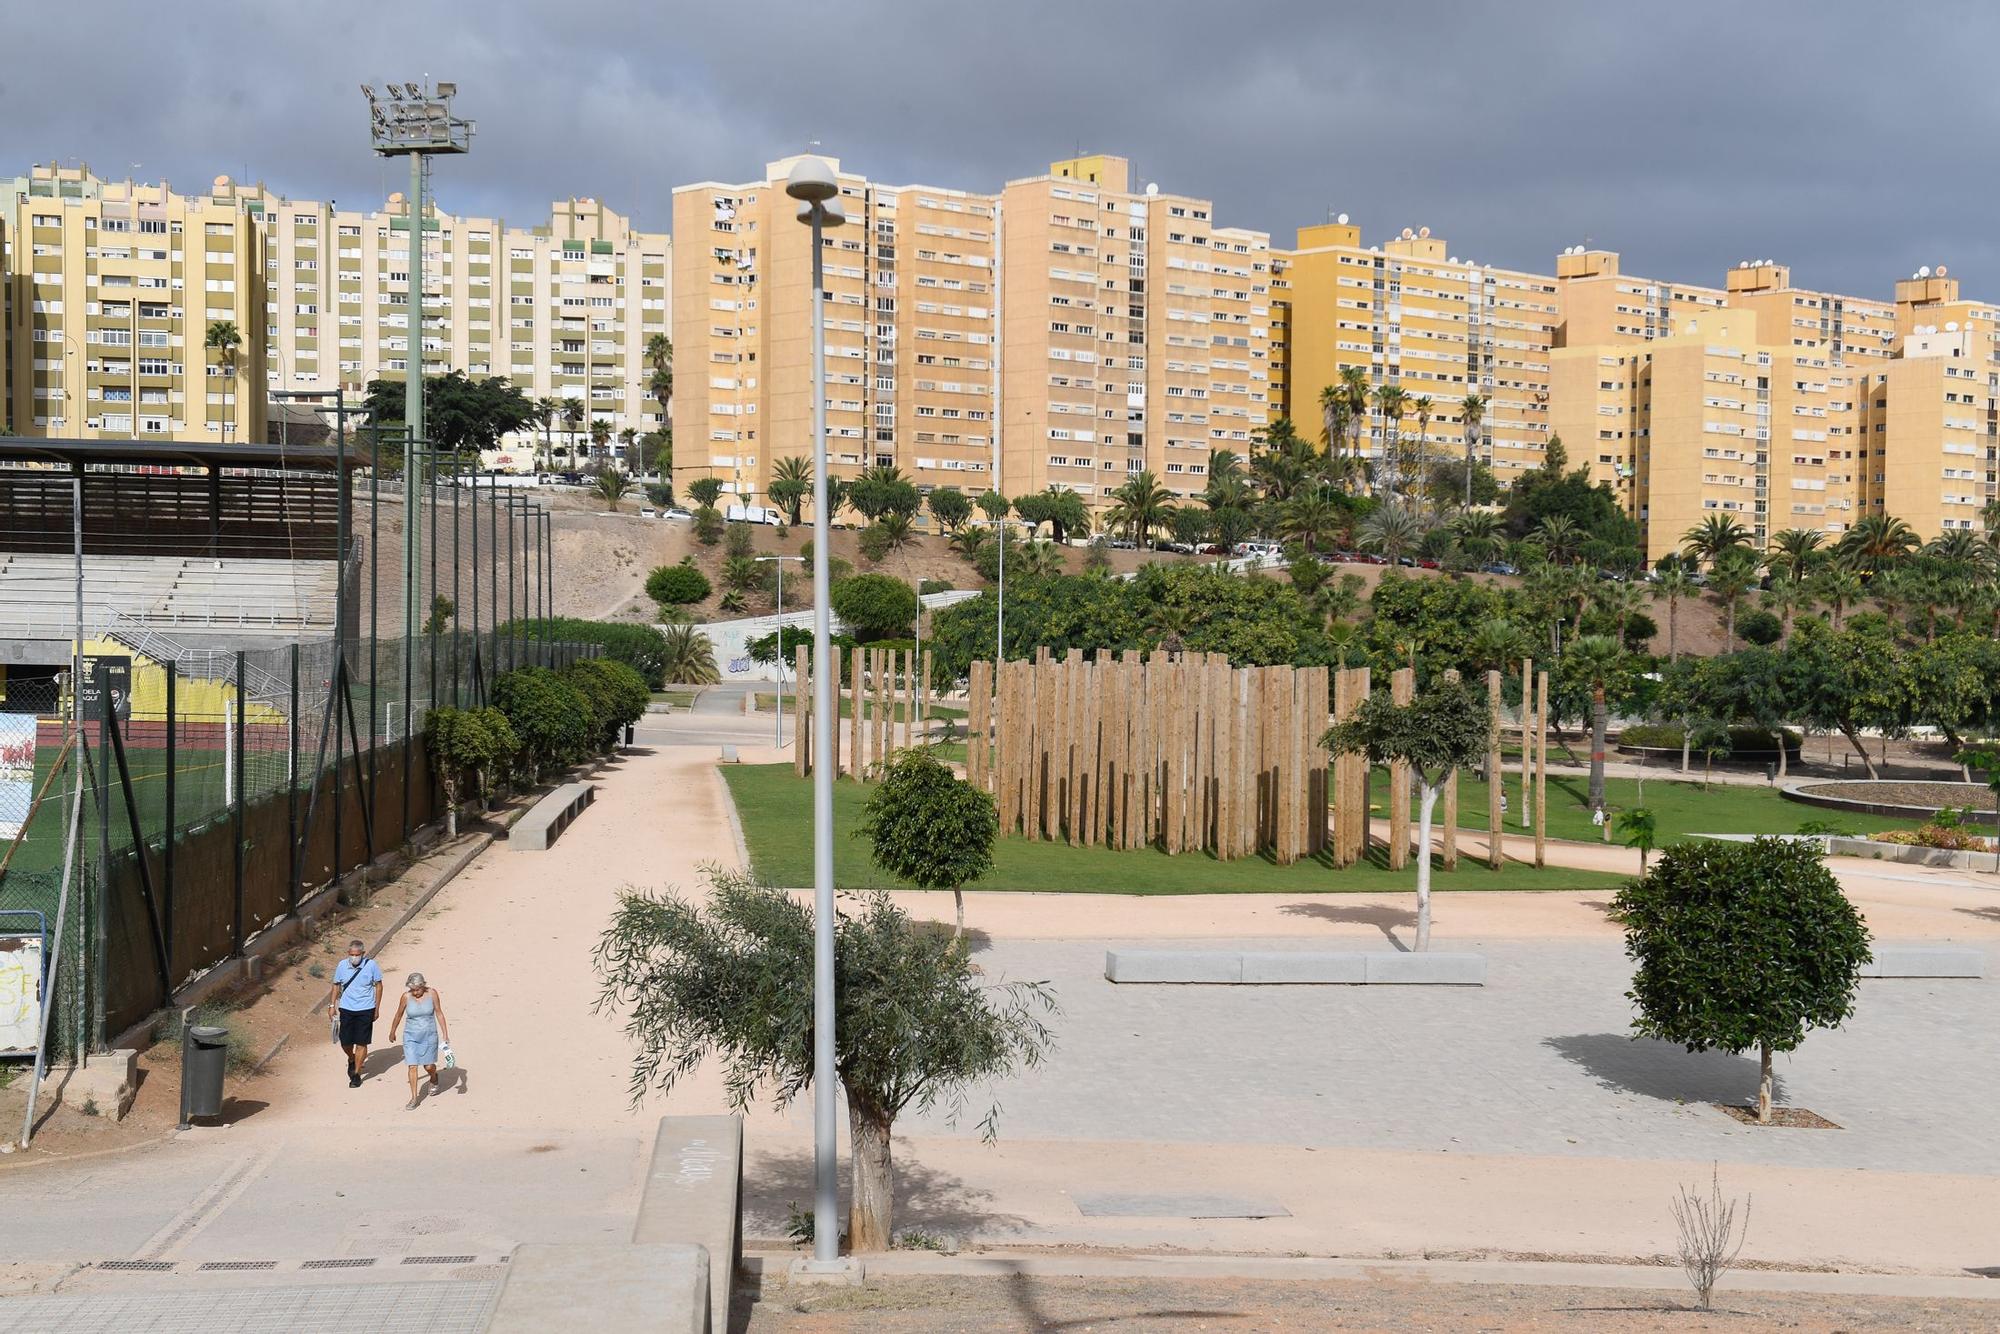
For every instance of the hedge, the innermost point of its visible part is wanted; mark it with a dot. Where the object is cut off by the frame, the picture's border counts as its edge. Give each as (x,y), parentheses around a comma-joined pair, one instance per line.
(1667,736)
(637,646)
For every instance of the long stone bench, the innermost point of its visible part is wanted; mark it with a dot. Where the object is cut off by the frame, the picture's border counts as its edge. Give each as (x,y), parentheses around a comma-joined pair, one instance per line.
(693,1197)
(547,818)
(1926,961)
(604,1285)
(1295,967)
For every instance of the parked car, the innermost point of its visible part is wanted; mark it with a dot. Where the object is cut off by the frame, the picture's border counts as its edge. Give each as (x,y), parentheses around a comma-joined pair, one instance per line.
(1498,567)
(1123,544)
(676,512)
(1210,549)
(1427,563)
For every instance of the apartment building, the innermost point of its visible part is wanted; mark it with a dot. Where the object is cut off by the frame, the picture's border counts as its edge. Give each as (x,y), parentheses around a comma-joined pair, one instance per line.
(563,309)
(1415,316)
(1066,331)
(112,288)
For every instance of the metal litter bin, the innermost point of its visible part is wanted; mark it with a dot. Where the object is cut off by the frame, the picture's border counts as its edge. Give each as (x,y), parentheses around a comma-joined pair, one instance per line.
(204,1059)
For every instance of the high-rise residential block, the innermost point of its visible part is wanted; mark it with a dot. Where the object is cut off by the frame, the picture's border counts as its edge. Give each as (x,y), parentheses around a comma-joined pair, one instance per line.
(113,291)
(1067,331)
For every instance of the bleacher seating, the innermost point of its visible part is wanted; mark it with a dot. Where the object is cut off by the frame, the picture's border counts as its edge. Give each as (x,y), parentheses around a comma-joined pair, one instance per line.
(38,594)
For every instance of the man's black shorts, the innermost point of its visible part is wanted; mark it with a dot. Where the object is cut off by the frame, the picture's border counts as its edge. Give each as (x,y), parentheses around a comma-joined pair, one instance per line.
(357,1028)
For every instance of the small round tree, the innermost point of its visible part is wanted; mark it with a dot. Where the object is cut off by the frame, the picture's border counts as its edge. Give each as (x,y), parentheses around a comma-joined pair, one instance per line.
(931,828)
(677,585)
(1449,726)
(1741,945)
(730,976)
(463,741)
(874,606)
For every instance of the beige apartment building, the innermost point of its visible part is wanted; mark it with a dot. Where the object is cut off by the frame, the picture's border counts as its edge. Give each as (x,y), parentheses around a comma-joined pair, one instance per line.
(1413,315)
(111,288)
(1067,331)
(563,309)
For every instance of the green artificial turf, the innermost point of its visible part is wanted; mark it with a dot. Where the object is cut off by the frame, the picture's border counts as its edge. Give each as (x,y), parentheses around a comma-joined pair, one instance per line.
(775,808)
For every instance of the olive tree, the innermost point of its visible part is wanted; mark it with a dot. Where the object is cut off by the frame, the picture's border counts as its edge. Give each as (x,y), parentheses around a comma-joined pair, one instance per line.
(728,976)
(930,827)
(463,741)
(1741,945)
(1449,726)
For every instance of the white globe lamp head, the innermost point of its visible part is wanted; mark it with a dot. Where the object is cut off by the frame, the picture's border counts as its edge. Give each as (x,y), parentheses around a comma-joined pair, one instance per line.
(811,180)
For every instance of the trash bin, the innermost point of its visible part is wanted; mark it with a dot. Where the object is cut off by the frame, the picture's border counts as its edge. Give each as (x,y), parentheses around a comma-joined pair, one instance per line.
(204,1057)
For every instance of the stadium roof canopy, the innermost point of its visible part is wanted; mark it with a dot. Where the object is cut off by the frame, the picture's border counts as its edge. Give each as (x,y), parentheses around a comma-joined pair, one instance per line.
(164,453)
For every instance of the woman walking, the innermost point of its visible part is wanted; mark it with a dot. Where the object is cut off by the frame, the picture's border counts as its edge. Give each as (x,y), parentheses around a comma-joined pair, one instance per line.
(424,1009)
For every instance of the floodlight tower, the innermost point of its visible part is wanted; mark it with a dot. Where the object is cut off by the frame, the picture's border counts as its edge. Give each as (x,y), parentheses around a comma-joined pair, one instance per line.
(414,122)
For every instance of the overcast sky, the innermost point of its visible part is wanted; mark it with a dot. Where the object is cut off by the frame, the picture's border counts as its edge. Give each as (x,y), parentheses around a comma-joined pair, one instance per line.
(1852,141)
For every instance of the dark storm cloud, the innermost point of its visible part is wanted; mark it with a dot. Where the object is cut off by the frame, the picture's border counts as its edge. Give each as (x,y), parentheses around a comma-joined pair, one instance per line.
(1851,141)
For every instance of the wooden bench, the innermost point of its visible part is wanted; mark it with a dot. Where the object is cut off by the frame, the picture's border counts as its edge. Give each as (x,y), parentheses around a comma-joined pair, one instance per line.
(547,818)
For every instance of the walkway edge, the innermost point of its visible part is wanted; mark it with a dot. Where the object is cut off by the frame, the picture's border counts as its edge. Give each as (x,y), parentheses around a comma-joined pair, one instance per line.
(1538,1273)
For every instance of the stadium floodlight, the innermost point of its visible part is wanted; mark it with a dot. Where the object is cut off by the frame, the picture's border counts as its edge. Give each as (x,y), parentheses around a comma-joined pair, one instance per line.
(416,123)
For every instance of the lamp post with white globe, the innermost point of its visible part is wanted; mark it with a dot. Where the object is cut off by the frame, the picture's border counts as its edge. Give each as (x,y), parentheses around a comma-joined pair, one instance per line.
(814,185)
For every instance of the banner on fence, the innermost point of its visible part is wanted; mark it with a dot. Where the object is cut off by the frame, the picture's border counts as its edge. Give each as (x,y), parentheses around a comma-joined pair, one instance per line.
(17,771)
(20,994)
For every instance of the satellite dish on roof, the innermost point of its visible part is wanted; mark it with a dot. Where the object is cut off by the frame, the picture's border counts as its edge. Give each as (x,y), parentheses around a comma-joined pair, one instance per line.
(1342,219)
(1744,264)
(1951,326)
(1152,187)
(1924,272)
(1424,232)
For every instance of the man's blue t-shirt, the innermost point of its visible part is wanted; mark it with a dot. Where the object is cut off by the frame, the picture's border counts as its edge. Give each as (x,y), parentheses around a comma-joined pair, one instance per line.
(357,987)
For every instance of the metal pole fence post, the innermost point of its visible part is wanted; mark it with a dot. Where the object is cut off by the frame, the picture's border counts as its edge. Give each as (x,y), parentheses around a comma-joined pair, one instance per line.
(170,826)
(236,814)
(292,786)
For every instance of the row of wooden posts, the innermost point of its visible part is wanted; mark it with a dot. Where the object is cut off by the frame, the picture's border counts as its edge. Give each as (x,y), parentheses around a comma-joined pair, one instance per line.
(1177,751)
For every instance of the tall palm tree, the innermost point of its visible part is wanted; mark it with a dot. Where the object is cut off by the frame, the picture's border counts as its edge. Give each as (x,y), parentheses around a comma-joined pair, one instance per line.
(660,384)
(1353,389)
(1716,533)
(1478,533)
(573,416)
(1878,540)
(546,412)
(1139,506)
(1471,411)
(625,438)
(1559,535)
(1961,554)
(1794,550)
(1392,530)
(600,434)
(1733,574)
(1224,465)
(1423,406)
(1390,402)
(1674,583)
(224,338)
(1788,595)
(1333,419)
(1310,520)
(1598,662)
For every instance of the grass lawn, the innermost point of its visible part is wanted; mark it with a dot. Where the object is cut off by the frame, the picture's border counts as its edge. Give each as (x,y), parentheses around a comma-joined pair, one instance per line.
(1681,808)
(776,810)
(679,697)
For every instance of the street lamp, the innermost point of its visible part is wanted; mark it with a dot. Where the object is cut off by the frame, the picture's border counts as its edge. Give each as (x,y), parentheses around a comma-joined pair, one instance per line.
(779,561)
(813,184)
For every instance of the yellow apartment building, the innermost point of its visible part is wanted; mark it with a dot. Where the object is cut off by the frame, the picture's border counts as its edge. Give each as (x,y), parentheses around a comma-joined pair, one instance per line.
(111,290)
(1411,314)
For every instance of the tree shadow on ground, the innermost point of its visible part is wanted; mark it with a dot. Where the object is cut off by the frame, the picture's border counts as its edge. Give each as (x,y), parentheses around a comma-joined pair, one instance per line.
(1990,914)
(1663,1070)
(1380,916)
(927,1200)
(976,941)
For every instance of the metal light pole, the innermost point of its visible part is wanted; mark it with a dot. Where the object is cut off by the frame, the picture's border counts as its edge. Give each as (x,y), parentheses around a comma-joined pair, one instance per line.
(415,122)
(812,183)
(779,561)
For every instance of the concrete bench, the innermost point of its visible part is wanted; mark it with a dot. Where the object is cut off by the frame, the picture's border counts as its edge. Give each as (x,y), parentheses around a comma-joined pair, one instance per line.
(694,1197)
(1295,967)
(1926,961)
(603,1285)
(547,818)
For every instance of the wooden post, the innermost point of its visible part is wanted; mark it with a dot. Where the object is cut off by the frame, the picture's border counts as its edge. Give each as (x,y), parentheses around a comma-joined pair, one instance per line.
(978,686)
(1007,747)
(1402,690)
(1527,741)
(857,697)
(1450,803)
(801,713)
(1496,780)
(1541,765)
(1319,684)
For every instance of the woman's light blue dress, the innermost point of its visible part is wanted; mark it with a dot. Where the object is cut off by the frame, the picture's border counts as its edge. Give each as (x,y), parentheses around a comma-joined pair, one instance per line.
(420,1030)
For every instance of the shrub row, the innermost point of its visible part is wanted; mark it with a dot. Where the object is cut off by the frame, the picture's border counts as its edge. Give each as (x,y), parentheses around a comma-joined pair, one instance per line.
(637,646)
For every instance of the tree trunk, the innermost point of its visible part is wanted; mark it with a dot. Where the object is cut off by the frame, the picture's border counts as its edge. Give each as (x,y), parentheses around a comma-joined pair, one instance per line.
(1599,717)
(958,907)
(1764,1084)
(871,1206)
(1784,753)
(1425,805)
(1687,743)
(450,805)
(1854,740)
(1673,623)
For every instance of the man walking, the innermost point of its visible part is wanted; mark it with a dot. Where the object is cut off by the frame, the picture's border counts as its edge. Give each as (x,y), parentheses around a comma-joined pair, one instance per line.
(354,1002)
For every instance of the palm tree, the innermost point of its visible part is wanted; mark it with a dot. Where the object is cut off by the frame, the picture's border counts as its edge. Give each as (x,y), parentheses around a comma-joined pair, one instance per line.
(1878,540)
(224,338)
(546,412)
(1788,596)
(625,438)
(1961,553)
(1674,583)
(600,434)
(1310,520)
(791,483)
(1286,463)
(1618,601)
(1733,574)
(1716,533)
(1354,390)
(1478,533)
(1040,558)
(1389,402)
(612,484)
(1392,530)
(573,416)
(1472,411)
(689,656)
(1598,662)
(1794,550)
(1224,465)
(1497,643)
(1839,587)
(1423,406)
(660,384)
(1559,535)
(1139,506)
(1333,419)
